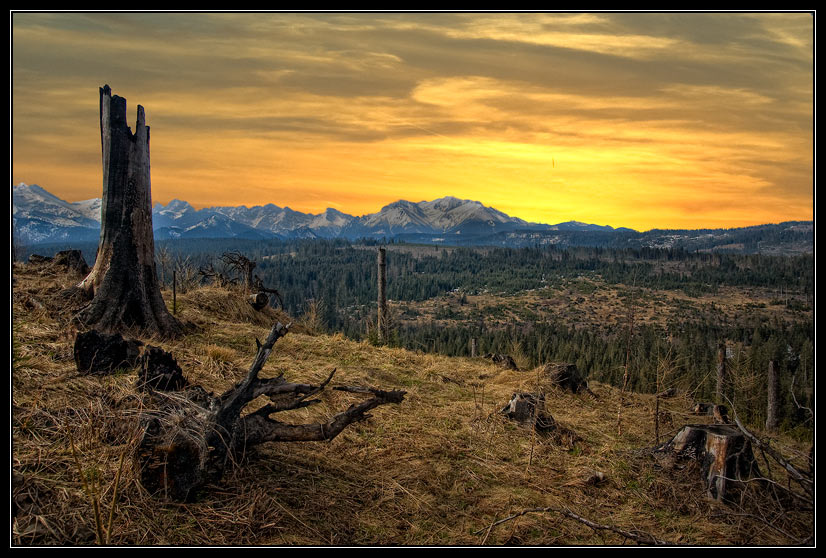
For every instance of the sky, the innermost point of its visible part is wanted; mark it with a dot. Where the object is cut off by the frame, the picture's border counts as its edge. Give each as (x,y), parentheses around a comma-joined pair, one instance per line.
(642,120)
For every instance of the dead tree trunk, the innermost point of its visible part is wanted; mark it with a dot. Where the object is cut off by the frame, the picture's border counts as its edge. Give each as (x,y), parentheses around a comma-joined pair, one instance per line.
(773,397)
(382,314)
(721,373)
(192,439)
(123,281)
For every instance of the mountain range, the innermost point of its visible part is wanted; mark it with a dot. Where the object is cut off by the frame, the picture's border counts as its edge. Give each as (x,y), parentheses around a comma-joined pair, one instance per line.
(41,217)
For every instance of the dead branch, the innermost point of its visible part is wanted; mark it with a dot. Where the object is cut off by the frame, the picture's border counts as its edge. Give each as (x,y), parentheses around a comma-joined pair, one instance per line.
(800,477)
(190,441)
(218,278)
(242,264)
(636,535)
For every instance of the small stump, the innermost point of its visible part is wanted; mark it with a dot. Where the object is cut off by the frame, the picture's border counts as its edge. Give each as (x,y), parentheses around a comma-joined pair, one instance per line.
(504,361)
(527,409)
(723,452)
(160,371)
(72,260)
(718,412)
(258,301)
(101,353)
(566,376)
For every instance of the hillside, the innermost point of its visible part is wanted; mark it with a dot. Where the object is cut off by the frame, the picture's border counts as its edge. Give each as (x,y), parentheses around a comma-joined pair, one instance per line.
(438,469)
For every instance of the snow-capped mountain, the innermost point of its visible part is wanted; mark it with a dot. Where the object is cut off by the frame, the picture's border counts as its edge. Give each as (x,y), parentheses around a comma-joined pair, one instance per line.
(446,215)
(39,217)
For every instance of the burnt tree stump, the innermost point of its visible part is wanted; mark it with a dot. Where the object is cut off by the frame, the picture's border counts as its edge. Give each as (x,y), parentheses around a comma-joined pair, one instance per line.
(194,437)
(101,353)
(160,371)
(724,454)
(123,282)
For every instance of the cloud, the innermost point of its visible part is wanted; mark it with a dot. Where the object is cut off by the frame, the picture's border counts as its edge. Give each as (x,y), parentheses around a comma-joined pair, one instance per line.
(577,112)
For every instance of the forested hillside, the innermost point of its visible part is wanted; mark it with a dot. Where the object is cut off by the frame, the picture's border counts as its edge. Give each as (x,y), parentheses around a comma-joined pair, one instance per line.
(761,306)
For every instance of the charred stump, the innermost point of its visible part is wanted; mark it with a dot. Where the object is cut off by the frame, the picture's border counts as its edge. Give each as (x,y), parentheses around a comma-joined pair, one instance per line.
(724,454)
(123,281)
(71,260)
(100,353)
(195,436)
(160,371)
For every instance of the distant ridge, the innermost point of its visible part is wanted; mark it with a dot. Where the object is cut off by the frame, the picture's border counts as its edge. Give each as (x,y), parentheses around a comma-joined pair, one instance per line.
(35,208)
(40,217)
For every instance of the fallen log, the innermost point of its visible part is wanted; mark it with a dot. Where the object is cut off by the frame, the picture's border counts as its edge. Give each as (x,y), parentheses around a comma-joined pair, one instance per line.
(190,440)
(258,300)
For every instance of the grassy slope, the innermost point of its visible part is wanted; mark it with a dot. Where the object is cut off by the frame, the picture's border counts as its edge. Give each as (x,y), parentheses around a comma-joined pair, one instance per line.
(431,471)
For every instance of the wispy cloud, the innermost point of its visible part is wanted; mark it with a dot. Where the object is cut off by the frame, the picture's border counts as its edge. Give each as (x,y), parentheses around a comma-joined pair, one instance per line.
(627,119)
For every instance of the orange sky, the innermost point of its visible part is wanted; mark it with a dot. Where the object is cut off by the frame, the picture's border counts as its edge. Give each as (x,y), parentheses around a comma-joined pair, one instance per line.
(639,120)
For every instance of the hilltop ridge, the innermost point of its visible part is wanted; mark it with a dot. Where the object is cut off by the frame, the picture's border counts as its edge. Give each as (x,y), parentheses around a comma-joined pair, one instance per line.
(435,470)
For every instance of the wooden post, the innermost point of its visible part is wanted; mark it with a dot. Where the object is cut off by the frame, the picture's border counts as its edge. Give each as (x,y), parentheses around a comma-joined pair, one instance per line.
(473,347)
(174,291)
(382,312)
(721,372)
(773,397)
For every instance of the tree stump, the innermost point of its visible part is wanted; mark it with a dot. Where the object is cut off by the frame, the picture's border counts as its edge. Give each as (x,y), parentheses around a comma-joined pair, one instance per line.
(718,412)
(101,353)
(160,371)
(504,361)
(37,259)
(724,454)
(71,260)
(123,281)
(528,409)
(192,438)
(565,376)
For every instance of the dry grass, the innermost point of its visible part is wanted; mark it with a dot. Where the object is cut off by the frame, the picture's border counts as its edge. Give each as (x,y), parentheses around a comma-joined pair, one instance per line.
(431,471)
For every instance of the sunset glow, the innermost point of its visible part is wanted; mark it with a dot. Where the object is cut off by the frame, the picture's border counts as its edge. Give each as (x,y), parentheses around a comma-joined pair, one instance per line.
(671,120)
